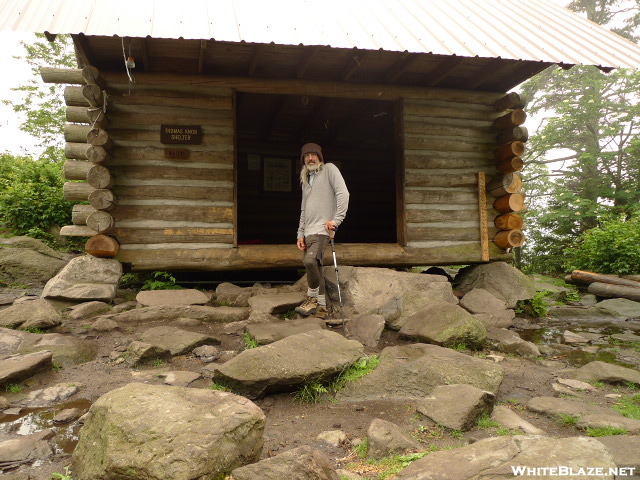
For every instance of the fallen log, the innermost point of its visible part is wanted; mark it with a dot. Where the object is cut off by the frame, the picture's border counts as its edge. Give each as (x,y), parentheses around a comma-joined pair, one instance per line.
(614,291)
(584,277)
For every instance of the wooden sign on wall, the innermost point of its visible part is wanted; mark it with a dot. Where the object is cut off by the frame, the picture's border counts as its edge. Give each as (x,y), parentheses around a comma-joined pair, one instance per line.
(181,134)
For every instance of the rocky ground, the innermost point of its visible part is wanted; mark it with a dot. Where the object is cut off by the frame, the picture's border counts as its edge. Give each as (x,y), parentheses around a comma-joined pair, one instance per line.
(564,376)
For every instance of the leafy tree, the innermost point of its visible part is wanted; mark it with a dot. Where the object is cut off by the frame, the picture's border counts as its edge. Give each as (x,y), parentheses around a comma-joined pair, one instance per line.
(42,103)
(593,125)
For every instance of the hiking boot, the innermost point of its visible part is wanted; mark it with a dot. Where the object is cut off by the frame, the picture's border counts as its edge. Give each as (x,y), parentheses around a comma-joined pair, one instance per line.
(321,312)
(308,306)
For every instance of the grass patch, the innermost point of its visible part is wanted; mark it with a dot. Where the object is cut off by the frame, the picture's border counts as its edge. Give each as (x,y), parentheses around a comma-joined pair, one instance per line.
(62,476)
(158,362)
(505,432)
(250,341)
(597,383)
(567,420)
(310,392)
(13,388)
(288,315)
(459,347)
(33,330)
(362,448)
(221,387)
(394,464)
(629,406)
(605,431)
(359,369)
(485,421)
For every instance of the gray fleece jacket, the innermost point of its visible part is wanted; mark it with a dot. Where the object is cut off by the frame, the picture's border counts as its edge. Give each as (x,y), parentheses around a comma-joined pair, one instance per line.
(327,199)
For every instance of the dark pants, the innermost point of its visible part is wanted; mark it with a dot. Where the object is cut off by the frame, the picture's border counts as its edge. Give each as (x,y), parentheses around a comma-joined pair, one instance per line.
(313,256)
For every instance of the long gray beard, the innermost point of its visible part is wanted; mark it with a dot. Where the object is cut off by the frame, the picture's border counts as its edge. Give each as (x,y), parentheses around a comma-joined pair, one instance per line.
(306,171)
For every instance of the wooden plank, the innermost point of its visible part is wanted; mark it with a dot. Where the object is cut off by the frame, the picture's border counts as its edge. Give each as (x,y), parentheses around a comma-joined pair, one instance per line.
(166,192)
(182,213)
(288,256)
(173,235)
(173,173)
(484,216)
(425,215)
(428,179)
(302,87)
(450,234)
(440,197)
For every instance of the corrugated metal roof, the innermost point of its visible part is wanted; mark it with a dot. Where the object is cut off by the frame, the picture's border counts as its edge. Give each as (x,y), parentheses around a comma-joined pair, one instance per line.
(536,30)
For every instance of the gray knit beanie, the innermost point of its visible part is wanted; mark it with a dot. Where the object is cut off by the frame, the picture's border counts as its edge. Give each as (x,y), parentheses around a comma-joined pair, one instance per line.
(311,148)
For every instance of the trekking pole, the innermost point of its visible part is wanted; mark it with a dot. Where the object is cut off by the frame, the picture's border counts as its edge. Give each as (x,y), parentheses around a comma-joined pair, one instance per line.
(332,233)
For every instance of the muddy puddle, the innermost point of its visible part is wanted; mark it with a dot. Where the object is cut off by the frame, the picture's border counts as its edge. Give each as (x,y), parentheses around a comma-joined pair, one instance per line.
(26,421)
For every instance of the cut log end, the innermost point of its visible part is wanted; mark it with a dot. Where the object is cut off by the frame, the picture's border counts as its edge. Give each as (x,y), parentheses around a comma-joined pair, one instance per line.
(510,203)
(509,239)
(509,221)
(102,246)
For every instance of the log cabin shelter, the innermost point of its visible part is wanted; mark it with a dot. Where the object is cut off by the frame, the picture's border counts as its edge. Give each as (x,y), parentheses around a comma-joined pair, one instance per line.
(185,122)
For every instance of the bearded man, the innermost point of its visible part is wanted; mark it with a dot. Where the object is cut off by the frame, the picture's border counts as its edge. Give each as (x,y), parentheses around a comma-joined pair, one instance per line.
(325,200)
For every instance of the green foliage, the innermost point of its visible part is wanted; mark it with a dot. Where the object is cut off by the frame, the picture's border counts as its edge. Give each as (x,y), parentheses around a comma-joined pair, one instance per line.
(567,420)
(130,280)
(459,347)
(220,387)
(13,388)
(359,369)
(605,431)
(250,341)
(394,464)
(31,199)
(160,281)
(62,476)
(362,448)
(33,330)
(629,406)
(610,248)
(485,422)
(310,392)
(535,306)
(288,315)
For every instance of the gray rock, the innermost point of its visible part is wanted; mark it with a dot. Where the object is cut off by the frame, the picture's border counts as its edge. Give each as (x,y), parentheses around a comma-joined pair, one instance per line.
(4,403)
(276,303)
(85,278)
(50,395)
(508,341)
(87,310)
(26,449)
(366,329)
(125,306)
(624,449)
(180,378)
(233,295)
(456,406)
(386,438)
(68,415)
(207,353)
(511,420)
(187,322)
(27,261)
(334,438)
(299,463)
(576,384)
(140,353)
(621,306)
(173,312)
(15,368)
(266,333)
(177,341)
(67,350)
(498,278)
(162,432)
(589,415)
(443,323)
(494,458)
(592,316)
(606,372)
(413,371)
(292,361)
(626,337)
(105,325)
(478,300)
(34,314)
(187,296)
(348,475)
(392,294)
(572,338)
(498,319)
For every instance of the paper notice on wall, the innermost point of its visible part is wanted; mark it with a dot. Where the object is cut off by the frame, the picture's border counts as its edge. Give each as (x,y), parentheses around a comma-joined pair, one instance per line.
(277,175)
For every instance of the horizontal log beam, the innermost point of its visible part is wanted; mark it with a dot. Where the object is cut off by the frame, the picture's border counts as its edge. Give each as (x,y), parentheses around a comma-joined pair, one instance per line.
(288,256)
(173,235)
(77,231)
(79,76)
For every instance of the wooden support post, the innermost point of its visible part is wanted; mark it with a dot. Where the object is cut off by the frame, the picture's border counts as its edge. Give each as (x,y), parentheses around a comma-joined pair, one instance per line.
(484,221)
(102,246)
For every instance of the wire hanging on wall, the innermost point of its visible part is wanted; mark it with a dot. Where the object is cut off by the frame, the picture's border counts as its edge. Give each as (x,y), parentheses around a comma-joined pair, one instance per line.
(129,63)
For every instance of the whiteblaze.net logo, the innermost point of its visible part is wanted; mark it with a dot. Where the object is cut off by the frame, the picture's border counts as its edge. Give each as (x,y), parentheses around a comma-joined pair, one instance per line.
(564,471)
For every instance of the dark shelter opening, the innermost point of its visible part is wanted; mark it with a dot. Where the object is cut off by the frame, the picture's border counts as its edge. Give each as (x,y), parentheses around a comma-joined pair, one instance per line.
(359,136)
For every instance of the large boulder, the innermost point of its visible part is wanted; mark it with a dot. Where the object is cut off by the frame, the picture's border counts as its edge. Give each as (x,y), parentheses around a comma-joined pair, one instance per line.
(32,314)
(621,306)
(496,457)
(275,303)
(26,449)
(606,372)
(85,278)
(164,313)
(176,340)
(500,279)
(392,294)
(186,296)
(508,341)
(413,371)
(290,362)
(160,432)
(15,368)
(27,261)
(265,333)
(444,323)
(386,438)
(299,463)
(456,406)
